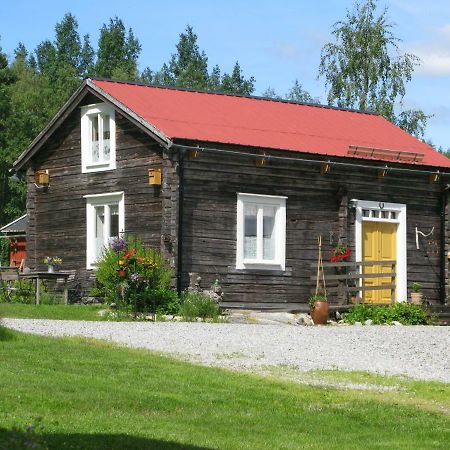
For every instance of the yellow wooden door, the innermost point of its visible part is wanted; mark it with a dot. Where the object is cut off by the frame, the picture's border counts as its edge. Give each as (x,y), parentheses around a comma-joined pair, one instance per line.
(379,244)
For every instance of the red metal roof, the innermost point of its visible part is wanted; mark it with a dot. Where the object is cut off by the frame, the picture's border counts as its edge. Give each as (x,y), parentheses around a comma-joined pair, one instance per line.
(263,123)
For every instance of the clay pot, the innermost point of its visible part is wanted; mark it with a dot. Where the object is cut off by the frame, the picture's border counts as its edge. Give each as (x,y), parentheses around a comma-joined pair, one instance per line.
(319,313)
(122,273)
(416,298)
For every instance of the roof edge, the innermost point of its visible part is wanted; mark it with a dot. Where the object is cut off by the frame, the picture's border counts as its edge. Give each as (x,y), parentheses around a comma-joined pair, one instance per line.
(86,86)
(227,94)
(43,136)
(12,223)
(158,134)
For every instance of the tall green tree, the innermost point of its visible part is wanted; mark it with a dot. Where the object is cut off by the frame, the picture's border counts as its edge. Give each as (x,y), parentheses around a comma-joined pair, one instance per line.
(6,79)
(297,93)
(364,69)
(65,61)
(188,68)
(118,52)
(236,82)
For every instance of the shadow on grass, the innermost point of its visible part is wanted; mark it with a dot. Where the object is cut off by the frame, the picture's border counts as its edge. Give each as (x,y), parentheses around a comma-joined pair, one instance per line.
(18,440)
(6,335)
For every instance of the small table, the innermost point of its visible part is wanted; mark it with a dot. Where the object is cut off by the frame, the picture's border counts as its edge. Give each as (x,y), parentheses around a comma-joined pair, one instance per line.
(39,276)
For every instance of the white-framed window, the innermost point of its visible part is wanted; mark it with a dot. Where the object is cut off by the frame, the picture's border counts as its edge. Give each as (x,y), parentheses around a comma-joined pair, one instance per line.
(105,219)
(98,138)
(261,232)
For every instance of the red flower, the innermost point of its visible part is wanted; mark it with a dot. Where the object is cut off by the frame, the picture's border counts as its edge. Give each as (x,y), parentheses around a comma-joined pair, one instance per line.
(341,256)
(130,254)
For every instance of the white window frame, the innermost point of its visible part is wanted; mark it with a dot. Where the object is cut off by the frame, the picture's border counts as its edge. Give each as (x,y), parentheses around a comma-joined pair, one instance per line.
(93,201)
(87,165)
(400,210)
(279,203)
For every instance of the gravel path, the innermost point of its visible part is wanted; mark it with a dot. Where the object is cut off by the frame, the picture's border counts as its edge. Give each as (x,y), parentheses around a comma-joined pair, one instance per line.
(415,351)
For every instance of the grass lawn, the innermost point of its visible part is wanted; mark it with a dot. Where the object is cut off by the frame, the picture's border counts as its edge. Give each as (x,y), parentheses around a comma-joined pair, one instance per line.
(93,395)
(59,312)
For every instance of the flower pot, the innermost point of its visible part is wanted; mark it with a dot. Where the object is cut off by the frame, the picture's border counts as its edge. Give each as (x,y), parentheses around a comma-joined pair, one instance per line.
(416,298)
(319,313)
(50,268)
(122,273)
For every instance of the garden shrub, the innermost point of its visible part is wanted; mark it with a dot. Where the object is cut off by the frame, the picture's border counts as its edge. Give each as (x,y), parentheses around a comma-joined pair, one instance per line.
(145,285)
(405,313)
(197,304)
(23,291)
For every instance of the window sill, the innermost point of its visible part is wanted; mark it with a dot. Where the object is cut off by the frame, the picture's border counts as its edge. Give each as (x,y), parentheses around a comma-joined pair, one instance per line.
(101,167)
(259,270)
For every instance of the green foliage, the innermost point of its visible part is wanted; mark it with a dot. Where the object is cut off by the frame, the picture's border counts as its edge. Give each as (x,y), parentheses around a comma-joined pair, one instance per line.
(146,284)
(4,252)
(118,52)
(197,304)
(317,298)
(188,68)
(363,68)
(23,291)
(405,313)
(416,287)
(295,94)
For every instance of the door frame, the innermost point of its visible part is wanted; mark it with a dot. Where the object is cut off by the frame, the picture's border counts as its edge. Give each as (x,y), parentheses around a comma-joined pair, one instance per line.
(400,210)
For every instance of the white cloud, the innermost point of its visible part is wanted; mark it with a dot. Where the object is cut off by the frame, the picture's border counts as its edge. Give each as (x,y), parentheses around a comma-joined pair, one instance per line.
(434,53)
(434,63)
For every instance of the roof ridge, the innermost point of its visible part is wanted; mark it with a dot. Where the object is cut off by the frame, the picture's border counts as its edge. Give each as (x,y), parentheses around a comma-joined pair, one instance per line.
(227,94)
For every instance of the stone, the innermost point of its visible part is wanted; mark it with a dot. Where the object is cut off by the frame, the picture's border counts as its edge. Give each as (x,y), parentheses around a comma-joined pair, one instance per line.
(338,315)
(358,324)
(305,319)
(396,324)
(368,322)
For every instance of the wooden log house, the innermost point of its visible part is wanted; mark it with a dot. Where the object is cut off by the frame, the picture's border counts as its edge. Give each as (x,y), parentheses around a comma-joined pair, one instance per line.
(238,189)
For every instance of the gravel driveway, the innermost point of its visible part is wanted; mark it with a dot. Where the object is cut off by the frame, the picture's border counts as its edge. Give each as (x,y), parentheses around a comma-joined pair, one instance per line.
(416,351)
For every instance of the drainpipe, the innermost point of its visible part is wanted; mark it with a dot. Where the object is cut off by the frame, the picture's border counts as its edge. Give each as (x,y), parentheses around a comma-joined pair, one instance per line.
(180,220)
(443,254)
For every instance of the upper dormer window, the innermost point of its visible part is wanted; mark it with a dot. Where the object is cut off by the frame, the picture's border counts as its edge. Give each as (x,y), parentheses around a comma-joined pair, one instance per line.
(98,144)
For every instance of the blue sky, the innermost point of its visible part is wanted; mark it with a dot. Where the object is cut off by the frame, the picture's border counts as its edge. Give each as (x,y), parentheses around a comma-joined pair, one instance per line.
(276,42)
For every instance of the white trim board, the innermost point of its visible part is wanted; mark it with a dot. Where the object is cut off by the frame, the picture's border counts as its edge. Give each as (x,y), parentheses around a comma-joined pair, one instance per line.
(400,209)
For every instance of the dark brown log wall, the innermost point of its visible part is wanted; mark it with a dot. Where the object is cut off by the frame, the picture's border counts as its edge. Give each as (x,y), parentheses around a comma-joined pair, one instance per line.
(57,218)
(316,204)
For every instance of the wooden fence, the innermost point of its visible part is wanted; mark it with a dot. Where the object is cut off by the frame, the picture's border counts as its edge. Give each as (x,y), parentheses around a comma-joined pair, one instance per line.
(347,280)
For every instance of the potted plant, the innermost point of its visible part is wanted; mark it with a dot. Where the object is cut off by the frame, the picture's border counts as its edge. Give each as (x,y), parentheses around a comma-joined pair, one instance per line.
(340,253)
(52,262)
(416,294)
(122,269)
(318,304)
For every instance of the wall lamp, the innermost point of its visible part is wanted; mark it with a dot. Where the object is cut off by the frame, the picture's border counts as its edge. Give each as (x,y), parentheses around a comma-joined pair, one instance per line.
(42,179)
(434,177)
(353,203)
(325,168)
(383,172)
(261,161)
(154,177)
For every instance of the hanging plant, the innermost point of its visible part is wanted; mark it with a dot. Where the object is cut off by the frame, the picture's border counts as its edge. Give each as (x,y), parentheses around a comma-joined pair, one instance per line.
(340,253)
